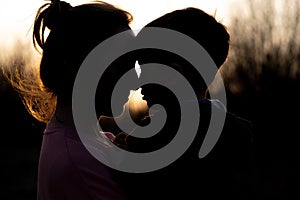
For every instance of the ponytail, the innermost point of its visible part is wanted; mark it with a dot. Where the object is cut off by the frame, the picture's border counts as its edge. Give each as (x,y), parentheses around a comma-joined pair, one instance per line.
(50,16)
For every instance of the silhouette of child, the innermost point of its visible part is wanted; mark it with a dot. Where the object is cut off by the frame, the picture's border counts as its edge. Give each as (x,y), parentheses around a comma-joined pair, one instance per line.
(223,173)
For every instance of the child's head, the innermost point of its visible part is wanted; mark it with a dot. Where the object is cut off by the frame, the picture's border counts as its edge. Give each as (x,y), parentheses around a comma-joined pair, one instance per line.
(201,27)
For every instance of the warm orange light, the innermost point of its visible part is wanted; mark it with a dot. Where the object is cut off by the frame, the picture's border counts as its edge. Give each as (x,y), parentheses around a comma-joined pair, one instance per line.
(136,102)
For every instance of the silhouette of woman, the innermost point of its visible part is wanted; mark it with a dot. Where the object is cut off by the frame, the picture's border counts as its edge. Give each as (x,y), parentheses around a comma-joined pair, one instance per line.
(66,169)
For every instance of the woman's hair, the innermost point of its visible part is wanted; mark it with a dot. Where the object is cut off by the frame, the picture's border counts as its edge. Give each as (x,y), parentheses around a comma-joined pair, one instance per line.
(73,33)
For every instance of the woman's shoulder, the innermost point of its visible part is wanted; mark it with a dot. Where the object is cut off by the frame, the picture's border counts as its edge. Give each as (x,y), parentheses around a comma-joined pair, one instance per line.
(73,165)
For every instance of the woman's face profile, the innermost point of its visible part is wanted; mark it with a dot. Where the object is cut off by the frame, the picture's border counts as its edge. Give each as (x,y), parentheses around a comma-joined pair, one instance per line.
(113,73)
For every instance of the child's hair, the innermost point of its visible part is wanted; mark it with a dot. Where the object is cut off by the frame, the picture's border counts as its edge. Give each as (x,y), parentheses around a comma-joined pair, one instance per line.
(73,33)
(201,27)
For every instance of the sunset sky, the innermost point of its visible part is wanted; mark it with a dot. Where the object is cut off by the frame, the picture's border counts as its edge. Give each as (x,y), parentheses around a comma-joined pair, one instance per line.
(16,16)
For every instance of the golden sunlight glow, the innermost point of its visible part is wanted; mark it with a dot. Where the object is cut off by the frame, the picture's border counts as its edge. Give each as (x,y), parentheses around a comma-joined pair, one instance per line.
(136,102)
(145,11)
(17,18)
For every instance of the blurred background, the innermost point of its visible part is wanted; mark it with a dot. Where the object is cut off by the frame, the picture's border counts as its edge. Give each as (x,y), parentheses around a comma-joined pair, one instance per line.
(261,76)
